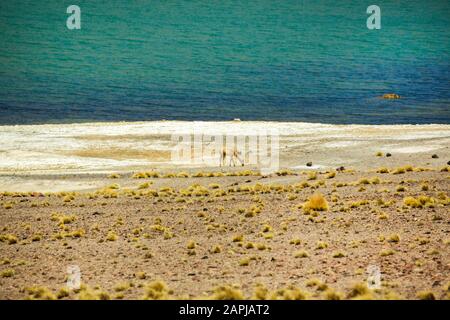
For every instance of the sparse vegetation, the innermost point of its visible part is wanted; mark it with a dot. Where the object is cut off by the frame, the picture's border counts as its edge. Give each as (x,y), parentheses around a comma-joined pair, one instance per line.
(316,202)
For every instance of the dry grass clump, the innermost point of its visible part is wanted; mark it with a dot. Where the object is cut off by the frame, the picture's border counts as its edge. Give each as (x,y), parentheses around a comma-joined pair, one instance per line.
(383,216)
(260,292)
(8,238)
(39,293)
(419,202)
(387,252)
(63,218)
(227,292)
(36,237)
(423,241)
(289,293)
(301,254)
(73,234)
(145,185)
(357,204)
(182,175)
(123,286)
(238,238)
(249,245)
(144,175)
(363,181)
(8,205)
(321,245)
(331,294)
(285,173)
(253,211)
(156,290)
(394,238)
(360,291)
(114,176)
(7,273)
(244,262)
(424,187)
(331,175)
(261,246)
(292,197)
(63,293)
(339,254)
(312,175)
(111,236)
(426,295)
(191,244)
(402,170)
(316,202)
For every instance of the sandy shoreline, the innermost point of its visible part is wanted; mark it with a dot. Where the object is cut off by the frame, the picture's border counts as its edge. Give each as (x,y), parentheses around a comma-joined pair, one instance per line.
(29,151)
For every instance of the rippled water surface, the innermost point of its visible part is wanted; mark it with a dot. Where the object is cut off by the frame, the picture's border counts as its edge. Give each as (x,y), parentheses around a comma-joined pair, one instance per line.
(311,61)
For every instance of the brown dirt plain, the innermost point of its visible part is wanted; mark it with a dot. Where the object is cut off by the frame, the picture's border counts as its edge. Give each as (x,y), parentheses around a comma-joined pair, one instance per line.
(232,236)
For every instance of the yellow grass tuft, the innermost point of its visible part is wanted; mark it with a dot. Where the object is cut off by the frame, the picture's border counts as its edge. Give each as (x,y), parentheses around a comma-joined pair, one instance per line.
(111,236)
(7,273)
(301,254)
(383,170)
(8,238)
(426,295)
(156,290)
(386,252)
(191,244)
(227,293)
(316,202)
(40,293)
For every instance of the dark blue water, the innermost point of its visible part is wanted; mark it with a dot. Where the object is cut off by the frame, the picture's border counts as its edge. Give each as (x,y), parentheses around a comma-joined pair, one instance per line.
(290,60)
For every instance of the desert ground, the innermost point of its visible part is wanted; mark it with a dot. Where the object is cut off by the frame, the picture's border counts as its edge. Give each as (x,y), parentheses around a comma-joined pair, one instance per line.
(291,235)
(304,232)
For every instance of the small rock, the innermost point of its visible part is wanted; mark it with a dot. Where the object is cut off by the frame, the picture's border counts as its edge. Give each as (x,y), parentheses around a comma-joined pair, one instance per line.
(341,168)
(390,96)
(388,154)
(309,164)
(435,156)
(448,163)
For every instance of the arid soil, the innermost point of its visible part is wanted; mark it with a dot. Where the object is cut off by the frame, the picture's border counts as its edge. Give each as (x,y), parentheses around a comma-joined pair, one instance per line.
(239,236)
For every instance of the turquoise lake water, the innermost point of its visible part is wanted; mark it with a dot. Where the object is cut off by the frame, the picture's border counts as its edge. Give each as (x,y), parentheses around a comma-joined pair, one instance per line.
(312,61)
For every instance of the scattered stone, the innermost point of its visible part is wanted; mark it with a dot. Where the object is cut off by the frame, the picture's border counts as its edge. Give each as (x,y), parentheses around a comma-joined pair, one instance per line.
(388,154)
(341,168)
(448,163)
(309,164)
(435,156)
